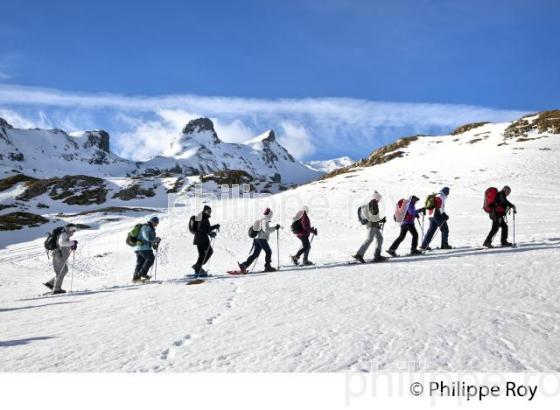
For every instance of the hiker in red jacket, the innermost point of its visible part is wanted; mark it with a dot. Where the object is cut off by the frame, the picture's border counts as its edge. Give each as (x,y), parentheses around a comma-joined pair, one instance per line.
(497,212)
(301,226)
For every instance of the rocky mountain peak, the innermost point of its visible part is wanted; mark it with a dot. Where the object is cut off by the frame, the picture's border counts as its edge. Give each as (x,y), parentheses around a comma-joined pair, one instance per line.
(97,138)
(200,125)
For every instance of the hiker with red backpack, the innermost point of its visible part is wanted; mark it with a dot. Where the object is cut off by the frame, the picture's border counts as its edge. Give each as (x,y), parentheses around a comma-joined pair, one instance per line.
(406,214)
(301,227)
(497,206)
(370,216)
(260,232)
(435,204)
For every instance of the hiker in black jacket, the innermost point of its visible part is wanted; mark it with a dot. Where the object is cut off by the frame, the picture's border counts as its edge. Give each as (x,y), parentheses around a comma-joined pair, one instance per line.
(204,232)
(497,214)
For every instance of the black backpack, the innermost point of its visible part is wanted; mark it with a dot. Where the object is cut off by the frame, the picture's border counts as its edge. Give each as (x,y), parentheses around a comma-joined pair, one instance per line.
(193,225)
(362,220)
(51,243)
(296,226)
(252,233)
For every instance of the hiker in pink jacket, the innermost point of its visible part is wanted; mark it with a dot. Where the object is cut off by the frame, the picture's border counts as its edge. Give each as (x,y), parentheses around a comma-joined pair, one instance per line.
(301,226)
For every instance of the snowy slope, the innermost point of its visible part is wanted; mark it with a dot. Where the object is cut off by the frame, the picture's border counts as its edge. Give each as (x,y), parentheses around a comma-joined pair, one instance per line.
(463,309)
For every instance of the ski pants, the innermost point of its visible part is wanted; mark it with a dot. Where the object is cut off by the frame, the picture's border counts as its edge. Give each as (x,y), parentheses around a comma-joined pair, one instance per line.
(60,267)
(404,230)
(435,223)
(497,223)
(258,246)
(144,261)
(205,251)
(305,248)
(374,232)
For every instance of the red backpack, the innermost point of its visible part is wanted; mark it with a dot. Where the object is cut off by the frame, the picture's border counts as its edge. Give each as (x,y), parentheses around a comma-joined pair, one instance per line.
(490,199)
(400,210)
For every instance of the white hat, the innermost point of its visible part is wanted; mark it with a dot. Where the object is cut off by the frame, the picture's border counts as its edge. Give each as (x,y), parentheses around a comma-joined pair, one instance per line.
(377,196)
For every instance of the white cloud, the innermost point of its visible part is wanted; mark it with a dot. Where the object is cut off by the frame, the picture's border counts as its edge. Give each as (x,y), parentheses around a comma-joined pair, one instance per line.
(296,140)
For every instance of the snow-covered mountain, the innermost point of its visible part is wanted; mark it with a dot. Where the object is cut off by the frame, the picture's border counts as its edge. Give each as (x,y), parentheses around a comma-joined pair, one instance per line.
(449,310)
(330,165)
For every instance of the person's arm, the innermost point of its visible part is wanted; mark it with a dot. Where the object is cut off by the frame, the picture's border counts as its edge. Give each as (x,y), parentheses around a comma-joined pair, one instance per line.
(64,241)
(505,201)
(214,227)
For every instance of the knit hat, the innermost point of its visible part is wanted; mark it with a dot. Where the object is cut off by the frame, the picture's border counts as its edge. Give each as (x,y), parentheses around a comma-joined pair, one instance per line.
(376,196)
(506,189)
(267,211)
(154,220)
(414,198)
(206,208)
(71,228)
(445,190)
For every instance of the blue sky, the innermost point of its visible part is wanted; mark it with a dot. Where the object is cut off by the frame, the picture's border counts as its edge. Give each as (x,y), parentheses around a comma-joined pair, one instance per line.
(380,69)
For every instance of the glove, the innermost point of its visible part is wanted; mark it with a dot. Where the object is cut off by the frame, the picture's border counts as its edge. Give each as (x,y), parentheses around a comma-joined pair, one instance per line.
(277,226)
(155,243)
(217,227)
(212,234)
(75,246)
(445,216)
(383,220)
(315,231)
(422,211)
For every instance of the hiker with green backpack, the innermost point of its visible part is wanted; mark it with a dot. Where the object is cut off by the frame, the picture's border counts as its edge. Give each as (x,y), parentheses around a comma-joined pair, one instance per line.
(143,238)
(435,204)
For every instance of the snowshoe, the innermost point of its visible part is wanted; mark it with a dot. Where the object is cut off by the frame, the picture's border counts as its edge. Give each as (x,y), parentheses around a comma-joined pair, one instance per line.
(137,280)
(359,258)
(392,253)
(195,282)
(236,272)
(242,268)
(48,285)
(295,260)
(446,247)
(202,274)
(145,277)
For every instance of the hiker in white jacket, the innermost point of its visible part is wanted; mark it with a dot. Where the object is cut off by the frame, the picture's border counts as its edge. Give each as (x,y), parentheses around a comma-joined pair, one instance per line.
(262,226)
(375,221)
(61,254)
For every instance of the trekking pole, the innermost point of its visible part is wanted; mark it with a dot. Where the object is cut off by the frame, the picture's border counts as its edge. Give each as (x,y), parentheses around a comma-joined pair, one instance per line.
(73,265)
(514,243)
(212,241)
(155,264)
(255,264)
(278,248)
(422,226)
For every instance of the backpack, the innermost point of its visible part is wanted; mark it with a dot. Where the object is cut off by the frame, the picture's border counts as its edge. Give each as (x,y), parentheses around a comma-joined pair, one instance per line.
(490,199)
(296,226)
(193,225)
(51,243)
(362,220)
(132,237)
(400,210)
(430,203)
(252,233)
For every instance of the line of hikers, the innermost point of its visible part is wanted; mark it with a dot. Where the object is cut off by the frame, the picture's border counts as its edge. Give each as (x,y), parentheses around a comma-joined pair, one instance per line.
(144,239)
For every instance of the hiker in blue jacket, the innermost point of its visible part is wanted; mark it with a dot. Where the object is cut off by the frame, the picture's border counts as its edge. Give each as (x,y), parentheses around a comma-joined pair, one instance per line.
(146,242)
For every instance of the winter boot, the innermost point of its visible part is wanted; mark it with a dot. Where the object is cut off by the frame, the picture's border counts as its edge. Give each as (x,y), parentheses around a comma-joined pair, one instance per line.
(137,280)
(58,292)
(268,268)
(307,263)
(507,244)
(195,268)
(146,277)
(294,259)
(359,258)
(392,253)
(446,246)
(380,258)
(415,252)
(427,248)
(487,245)
(242,267)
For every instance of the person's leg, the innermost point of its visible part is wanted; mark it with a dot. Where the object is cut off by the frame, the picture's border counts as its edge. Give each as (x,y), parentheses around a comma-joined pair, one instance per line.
(139,263)
(444,228)
(149,259)
(307,246)
(209,252)
(268,252)
(301,250)
(60,264)
(493,230)
(414,233)
(378,241)
(254,255)
(504,227)
(430,234)
(365,245)
(399,239)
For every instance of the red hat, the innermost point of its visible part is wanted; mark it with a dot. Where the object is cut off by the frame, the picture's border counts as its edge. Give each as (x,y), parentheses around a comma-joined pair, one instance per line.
(267,211)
